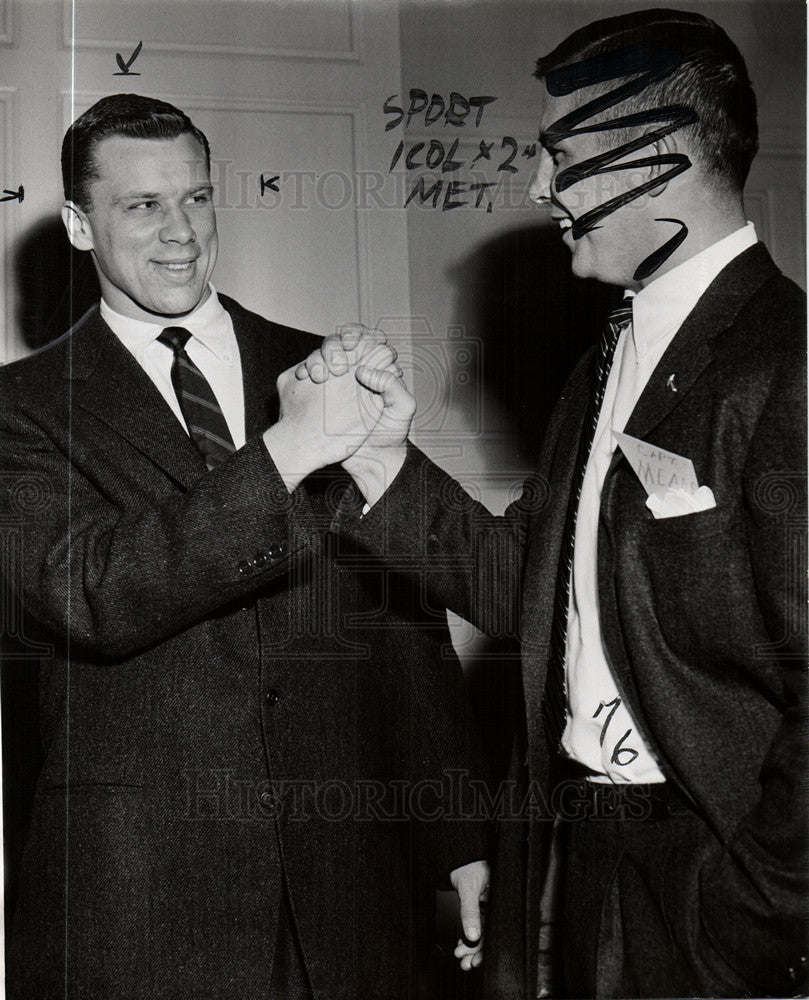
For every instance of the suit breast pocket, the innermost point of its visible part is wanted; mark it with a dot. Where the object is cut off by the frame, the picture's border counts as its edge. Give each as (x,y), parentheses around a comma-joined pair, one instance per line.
(689,528)
(688,581)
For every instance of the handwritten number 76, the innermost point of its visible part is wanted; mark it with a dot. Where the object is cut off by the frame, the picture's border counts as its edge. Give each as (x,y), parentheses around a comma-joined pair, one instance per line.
(621,755)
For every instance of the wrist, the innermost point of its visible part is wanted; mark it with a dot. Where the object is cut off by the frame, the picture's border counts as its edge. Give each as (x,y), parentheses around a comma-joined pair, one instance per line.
(373,469)
(294,457)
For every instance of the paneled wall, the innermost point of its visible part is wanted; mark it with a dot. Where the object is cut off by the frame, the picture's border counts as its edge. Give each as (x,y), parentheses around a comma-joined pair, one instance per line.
(288,94)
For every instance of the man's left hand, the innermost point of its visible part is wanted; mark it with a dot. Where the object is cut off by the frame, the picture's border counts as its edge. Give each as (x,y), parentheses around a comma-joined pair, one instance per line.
(471,882)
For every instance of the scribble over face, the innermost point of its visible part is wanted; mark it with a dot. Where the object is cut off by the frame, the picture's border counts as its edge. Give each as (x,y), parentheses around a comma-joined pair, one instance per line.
(612,249)
(591,183)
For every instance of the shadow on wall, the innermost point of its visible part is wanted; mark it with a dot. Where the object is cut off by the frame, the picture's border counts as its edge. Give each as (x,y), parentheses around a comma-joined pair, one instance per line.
(56,284)
(534,319)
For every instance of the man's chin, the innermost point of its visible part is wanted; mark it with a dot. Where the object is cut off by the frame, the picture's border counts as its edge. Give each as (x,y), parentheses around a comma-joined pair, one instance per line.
(176,305)
(580,267)
(583,267)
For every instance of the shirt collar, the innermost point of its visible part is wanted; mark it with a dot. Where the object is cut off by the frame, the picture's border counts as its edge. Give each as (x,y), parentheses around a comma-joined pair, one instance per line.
(662,306)
(209,323)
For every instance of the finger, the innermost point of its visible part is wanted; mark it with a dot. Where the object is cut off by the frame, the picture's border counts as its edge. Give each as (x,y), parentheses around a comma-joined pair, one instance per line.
(469,958)
(379,357)
(335,357)
(313,368)
(350,335)
(339,353)
(463,948)
(354,336)
(469,896)
(376,379)
(371,352)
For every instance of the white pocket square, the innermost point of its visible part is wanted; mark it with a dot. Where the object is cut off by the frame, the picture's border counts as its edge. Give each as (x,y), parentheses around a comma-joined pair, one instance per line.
(676,502)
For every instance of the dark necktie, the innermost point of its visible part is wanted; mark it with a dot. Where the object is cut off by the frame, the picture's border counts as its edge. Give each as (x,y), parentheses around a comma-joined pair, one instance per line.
(203,416)
(553,704)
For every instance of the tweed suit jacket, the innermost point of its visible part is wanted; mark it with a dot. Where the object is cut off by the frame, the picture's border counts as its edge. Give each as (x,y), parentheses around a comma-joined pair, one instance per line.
(236,704)
(703,619)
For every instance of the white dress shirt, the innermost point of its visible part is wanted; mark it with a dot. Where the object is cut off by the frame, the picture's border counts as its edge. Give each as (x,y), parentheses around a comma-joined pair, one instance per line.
(600,731)
(212,347)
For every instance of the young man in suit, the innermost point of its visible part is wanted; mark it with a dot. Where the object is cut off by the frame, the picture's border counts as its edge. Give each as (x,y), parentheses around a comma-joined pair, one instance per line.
(249,734)
(656,557)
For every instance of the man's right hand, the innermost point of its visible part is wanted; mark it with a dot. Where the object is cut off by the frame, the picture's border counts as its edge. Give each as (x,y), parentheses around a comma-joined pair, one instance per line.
(323,423)
(378,460)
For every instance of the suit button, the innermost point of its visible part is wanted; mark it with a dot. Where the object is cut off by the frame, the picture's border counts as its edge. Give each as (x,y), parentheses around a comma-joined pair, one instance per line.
(276,551)
(266,799)
(259,559)
(272,697)
(244,567)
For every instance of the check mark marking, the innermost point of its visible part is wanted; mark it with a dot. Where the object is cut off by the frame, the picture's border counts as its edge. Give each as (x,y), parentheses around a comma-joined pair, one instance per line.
(124,66)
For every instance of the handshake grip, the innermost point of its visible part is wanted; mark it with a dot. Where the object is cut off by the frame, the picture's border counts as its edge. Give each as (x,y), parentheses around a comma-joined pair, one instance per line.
(345,403)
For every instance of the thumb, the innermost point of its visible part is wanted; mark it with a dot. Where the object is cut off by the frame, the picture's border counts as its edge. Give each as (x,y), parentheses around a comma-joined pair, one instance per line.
(390,386)
(469,896)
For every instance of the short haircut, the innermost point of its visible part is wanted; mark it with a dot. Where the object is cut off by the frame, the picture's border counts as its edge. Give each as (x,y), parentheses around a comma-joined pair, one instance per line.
(120,114)
(711,79)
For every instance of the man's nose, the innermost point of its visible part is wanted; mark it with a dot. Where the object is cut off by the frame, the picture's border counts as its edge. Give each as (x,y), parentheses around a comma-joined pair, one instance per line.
(540,189)
(177,227)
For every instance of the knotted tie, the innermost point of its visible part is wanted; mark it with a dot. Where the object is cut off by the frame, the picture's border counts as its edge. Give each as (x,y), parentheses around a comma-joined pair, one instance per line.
(203,416)
(553,704)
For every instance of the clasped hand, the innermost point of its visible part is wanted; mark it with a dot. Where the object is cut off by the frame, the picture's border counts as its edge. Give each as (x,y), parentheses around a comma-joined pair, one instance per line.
(345,403)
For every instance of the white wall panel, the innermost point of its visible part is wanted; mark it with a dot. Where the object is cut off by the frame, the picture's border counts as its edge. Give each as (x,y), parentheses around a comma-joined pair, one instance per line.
(323,30)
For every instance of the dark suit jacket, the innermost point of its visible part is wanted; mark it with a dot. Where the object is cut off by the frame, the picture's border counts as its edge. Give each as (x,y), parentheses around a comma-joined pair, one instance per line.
(703,618)
(235,698)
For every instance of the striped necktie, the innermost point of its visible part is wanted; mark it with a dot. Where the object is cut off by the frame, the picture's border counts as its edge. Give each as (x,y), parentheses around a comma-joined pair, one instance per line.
(201,411)
(554,702)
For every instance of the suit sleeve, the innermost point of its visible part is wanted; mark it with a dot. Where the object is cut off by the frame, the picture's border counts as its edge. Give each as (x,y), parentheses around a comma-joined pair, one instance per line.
(116,578)
(460,555)
(762,876)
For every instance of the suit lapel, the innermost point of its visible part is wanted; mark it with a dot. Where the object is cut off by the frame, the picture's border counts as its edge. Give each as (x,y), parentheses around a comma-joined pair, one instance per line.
(109,383)
(691,350)
(259,363)
(687,357)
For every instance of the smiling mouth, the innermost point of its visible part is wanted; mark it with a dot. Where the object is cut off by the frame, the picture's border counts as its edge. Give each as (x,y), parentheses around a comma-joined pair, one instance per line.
(564,222)
(177,266)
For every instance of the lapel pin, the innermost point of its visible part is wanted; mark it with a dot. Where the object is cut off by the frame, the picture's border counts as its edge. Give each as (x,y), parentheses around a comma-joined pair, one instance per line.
(671,382)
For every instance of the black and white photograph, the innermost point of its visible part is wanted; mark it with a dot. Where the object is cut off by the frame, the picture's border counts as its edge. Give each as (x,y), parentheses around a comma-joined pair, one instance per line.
(403,500)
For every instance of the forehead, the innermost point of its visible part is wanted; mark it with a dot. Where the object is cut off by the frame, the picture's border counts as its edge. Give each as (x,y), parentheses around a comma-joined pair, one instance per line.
(122,163)
(551,109)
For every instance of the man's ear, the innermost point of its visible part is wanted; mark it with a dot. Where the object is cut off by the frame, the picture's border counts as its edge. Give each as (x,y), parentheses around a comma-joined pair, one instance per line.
(79,230)
(665,148)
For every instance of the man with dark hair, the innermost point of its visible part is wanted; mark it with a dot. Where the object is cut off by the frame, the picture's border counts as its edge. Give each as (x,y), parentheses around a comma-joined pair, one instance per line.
(255,745)
(123,115)
(656,559)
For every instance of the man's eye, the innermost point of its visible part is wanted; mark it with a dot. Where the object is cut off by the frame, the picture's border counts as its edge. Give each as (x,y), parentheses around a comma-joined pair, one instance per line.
(201,199)
(143,205)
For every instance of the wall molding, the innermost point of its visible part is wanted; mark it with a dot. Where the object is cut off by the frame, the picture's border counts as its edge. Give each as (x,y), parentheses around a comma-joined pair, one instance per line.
(352,54)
